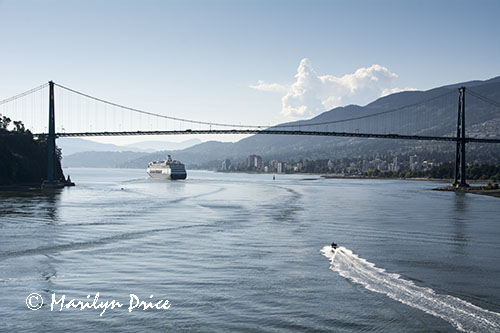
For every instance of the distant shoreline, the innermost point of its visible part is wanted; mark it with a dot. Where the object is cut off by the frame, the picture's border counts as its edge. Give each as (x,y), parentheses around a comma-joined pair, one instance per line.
(21,187)
(337,176)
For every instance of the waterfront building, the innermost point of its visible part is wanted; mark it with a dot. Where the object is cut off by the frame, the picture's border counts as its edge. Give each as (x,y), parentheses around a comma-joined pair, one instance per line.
(414,164)
(226,165)
(254,162)
(281,167)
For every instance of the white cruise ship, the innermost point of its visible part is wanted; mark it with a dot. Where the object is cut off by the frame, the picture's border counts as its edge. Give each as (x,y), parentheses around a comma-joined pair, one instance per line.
(169,169)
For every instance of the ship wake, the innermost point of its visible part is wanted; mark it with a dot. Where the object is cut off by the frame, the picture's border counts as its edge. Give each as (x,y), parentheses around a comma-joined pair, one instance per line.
(461,314)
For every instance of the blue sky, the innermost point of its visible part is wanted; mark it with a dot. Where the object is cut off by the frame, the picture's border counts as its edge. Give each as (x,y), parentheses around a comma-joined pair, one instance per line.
(200,59)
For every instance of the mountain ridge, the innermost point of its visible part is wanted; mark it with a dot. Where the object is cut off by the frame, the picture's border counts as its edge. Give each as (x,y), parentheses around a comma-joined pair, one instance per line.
(281,146)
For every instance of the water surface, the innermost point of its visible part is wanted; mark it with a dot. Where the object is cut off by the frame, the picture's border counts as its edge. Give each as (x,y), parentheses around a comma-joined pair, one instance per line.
(241,252)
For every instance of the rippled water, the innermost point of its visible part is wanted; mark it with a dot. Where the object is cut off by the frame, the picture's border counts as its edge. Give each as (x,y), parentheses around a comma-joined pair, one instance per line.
(238,252)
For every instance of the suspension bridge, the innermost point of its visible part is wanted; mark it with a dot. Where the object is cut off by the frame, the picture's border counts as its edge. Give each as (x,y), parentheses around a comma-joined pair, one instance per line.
(83,115)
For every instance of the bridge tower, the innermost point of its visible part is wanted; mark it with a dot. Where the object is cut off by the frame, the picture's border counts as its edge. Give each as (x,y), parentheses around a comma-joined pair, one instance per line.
(51,139)
(460,173)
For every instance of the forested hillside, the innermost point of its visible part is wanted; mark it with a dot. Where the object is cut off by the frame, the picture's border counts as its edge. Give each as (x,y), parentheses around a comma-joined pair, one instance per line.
(23,159)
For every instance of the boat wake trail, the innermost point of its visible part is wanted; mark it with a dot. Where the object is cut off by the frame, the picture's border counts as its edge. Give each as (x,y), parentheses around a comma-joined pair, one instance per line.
(462,315)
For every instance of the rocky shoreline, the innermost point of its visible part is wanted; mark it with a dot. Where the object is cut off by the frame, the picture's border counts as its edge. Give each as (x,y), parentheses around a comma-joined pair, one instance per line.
(483,190)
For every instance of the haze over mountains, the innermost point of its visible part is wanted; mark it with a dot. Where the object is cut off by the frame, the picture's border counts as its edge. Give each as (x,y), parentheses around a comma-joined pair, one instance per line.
(71,146)
(479,116)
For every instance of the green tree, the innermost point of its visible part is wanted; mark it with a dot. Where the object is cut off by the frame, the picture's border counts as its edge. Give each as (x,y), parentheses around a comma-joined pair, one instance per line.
(4,122)
(19,127)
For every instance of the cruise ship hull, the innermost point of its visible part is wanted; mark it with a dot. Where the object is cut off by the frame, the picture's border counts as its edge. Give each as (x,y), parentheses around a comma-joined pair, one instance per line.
(161,175)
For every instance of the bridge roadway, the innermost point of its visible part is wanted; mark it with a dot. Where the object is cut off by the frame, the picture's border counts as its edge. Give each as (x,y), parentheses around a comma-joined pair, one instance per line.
(275,132)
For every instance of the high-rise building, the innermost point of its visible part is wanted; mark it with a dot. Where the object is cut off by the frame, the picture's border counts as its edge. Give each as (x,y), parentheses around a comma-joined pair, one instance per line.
(281,167)
(395,164)
(254,162)
(226,164)
(414,164)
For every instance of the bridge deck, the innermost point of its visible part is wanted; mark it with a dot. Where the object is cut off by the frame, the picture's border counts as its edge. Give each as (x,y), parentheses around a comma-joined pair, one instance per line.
(276,132)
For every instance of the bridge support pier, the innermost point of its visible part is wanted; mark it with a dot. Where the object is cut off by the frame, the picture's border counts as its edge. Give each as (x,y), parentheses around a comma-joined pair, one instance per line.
(460,167)
(51,181)
(51,139)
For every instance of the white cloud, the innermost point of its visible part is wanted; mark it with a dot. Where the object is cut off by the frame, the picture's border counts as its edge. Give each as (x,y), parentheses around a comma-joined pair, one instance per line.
(273,87)
(312,94)
(386,92)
